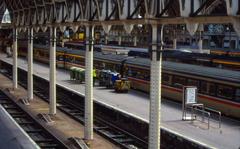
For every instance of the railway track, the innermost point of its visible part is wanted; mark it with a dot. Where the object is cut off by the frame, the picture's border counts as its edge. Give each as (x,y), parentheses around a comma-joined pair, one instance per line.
(41,136)
(75,109)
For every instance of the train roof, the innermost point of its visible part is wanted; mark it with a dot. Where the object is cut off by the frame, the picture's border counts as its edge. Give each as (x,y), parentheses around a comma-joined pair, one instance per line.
(47,47)
(99,55)
(110,57)
(75,52)
(222,74)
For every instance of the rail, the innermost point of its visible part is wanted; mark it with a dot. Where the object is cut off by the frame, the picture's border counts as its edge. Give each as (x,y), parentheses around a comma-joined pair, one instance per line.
(203,114)
(201,108)
(219,115)
(38,133)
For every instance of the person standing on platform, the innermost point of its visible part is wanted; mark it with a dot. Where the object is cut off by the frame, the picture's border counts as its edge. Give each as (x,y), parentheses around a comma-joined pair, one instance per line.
(94,76)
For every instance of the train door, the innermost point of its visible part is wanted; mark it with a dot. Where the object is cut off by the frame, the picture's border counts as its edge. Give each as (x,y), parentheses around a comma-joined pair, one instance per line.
(237,96)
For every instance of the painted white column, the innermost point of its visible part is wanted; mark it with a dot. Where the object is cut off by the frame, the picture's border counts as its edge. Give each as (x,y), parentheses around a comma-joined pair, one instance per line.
(106,39)
(155,91)
(119,40)
(88,113)
(174,43)
(52,96)
(15,56)
(200,45)
(135,41)
(30,63)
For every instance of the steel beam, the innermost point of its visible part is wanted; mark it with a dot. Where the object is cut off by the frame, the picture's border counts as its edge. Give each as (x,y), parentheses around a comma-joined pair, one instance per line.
(52,96)
(175,20)
(15,56)
(30,63)
(88,113)
(155,90)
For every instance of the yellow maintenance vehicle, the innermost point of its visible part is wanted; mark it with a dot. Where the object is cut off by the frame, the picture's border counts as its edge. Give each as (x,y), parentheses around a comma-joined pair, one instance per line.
(122,85)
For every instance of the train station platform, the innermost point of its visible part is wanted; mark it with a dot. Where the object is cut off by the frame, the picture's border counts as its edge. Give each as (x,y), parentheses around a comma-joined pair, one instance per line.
(137,103)
(63,127)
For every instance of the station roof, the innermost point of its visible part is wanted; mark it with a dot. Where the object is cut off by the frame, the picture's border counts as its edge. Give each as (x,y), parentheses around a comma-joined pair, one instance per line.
(49,12)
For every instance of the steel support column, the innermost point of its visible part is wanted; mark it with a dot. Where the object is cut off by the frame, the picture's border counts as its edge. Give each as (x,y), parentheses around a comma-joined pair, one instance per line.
(174,43)
(200,45)
(119,40)
(88,114)
(15,56)
(52,96)
(106,39)
(155,90)
(135,41)
(30,63)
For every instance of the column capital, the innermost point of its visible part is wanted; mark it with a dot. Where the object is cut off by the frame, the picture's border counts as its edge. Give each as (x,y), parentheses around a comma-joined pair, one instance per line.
(89,41)
(30,35)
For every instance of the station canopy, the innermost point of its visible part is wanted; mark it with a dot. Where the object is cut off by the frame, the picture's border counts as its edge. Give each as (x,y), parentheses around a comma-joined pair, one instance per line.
(42,13)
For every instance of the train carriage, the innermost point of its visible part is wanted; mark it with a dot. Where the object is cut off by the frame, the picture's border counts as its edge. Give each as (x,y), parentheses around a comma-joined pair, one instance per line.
(218,89)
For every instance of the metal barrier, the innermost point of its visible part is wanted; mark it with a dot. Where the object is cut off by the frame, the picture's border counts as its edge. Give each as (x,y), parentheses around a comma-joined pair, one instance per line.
(190,101)
(205,110)
(219,115)
(203,114)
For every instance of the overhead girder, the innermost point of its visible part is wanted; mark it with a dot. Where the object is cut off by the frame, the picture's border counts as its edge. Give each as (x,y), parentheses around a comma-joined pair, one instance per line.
(71,10)
(187,7)
(45,12)
(90,10)
(61,11)
(128,9)
(107,9)
(232,7)
(49,15)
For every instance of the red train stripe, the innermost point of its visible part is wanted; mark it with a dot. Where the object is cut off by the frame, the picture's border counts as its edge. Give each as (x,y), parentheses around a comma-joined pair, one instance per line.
(205,97)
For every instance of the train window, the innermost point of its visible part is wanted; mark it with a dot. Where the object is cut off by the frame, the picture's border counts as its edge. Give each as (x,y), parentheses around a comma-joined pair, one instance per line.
(132,73)
(147,77)
(60,57)
(129,72)
(192,82)
(203,87)
(237,97)
(179,82)
(211,89)
(166,79)
(79,61)
(70,59)
(225,91)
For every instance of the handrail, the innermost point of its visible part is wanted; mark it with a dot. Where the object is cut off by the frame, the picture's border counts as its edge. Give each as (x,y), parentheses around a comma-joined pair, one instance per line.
(203,114)
(219,115)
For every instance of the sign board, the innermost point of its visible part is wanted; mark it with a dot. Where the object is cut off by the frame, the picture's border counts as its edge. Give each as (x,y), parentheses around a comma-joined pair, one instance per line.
(190,95)
(189,98)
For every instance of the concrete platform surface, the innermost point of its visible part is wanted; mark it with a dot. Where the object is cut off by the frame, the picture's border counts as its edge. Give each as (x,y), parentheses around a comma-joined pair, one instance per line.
(63,126)
(137,103)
